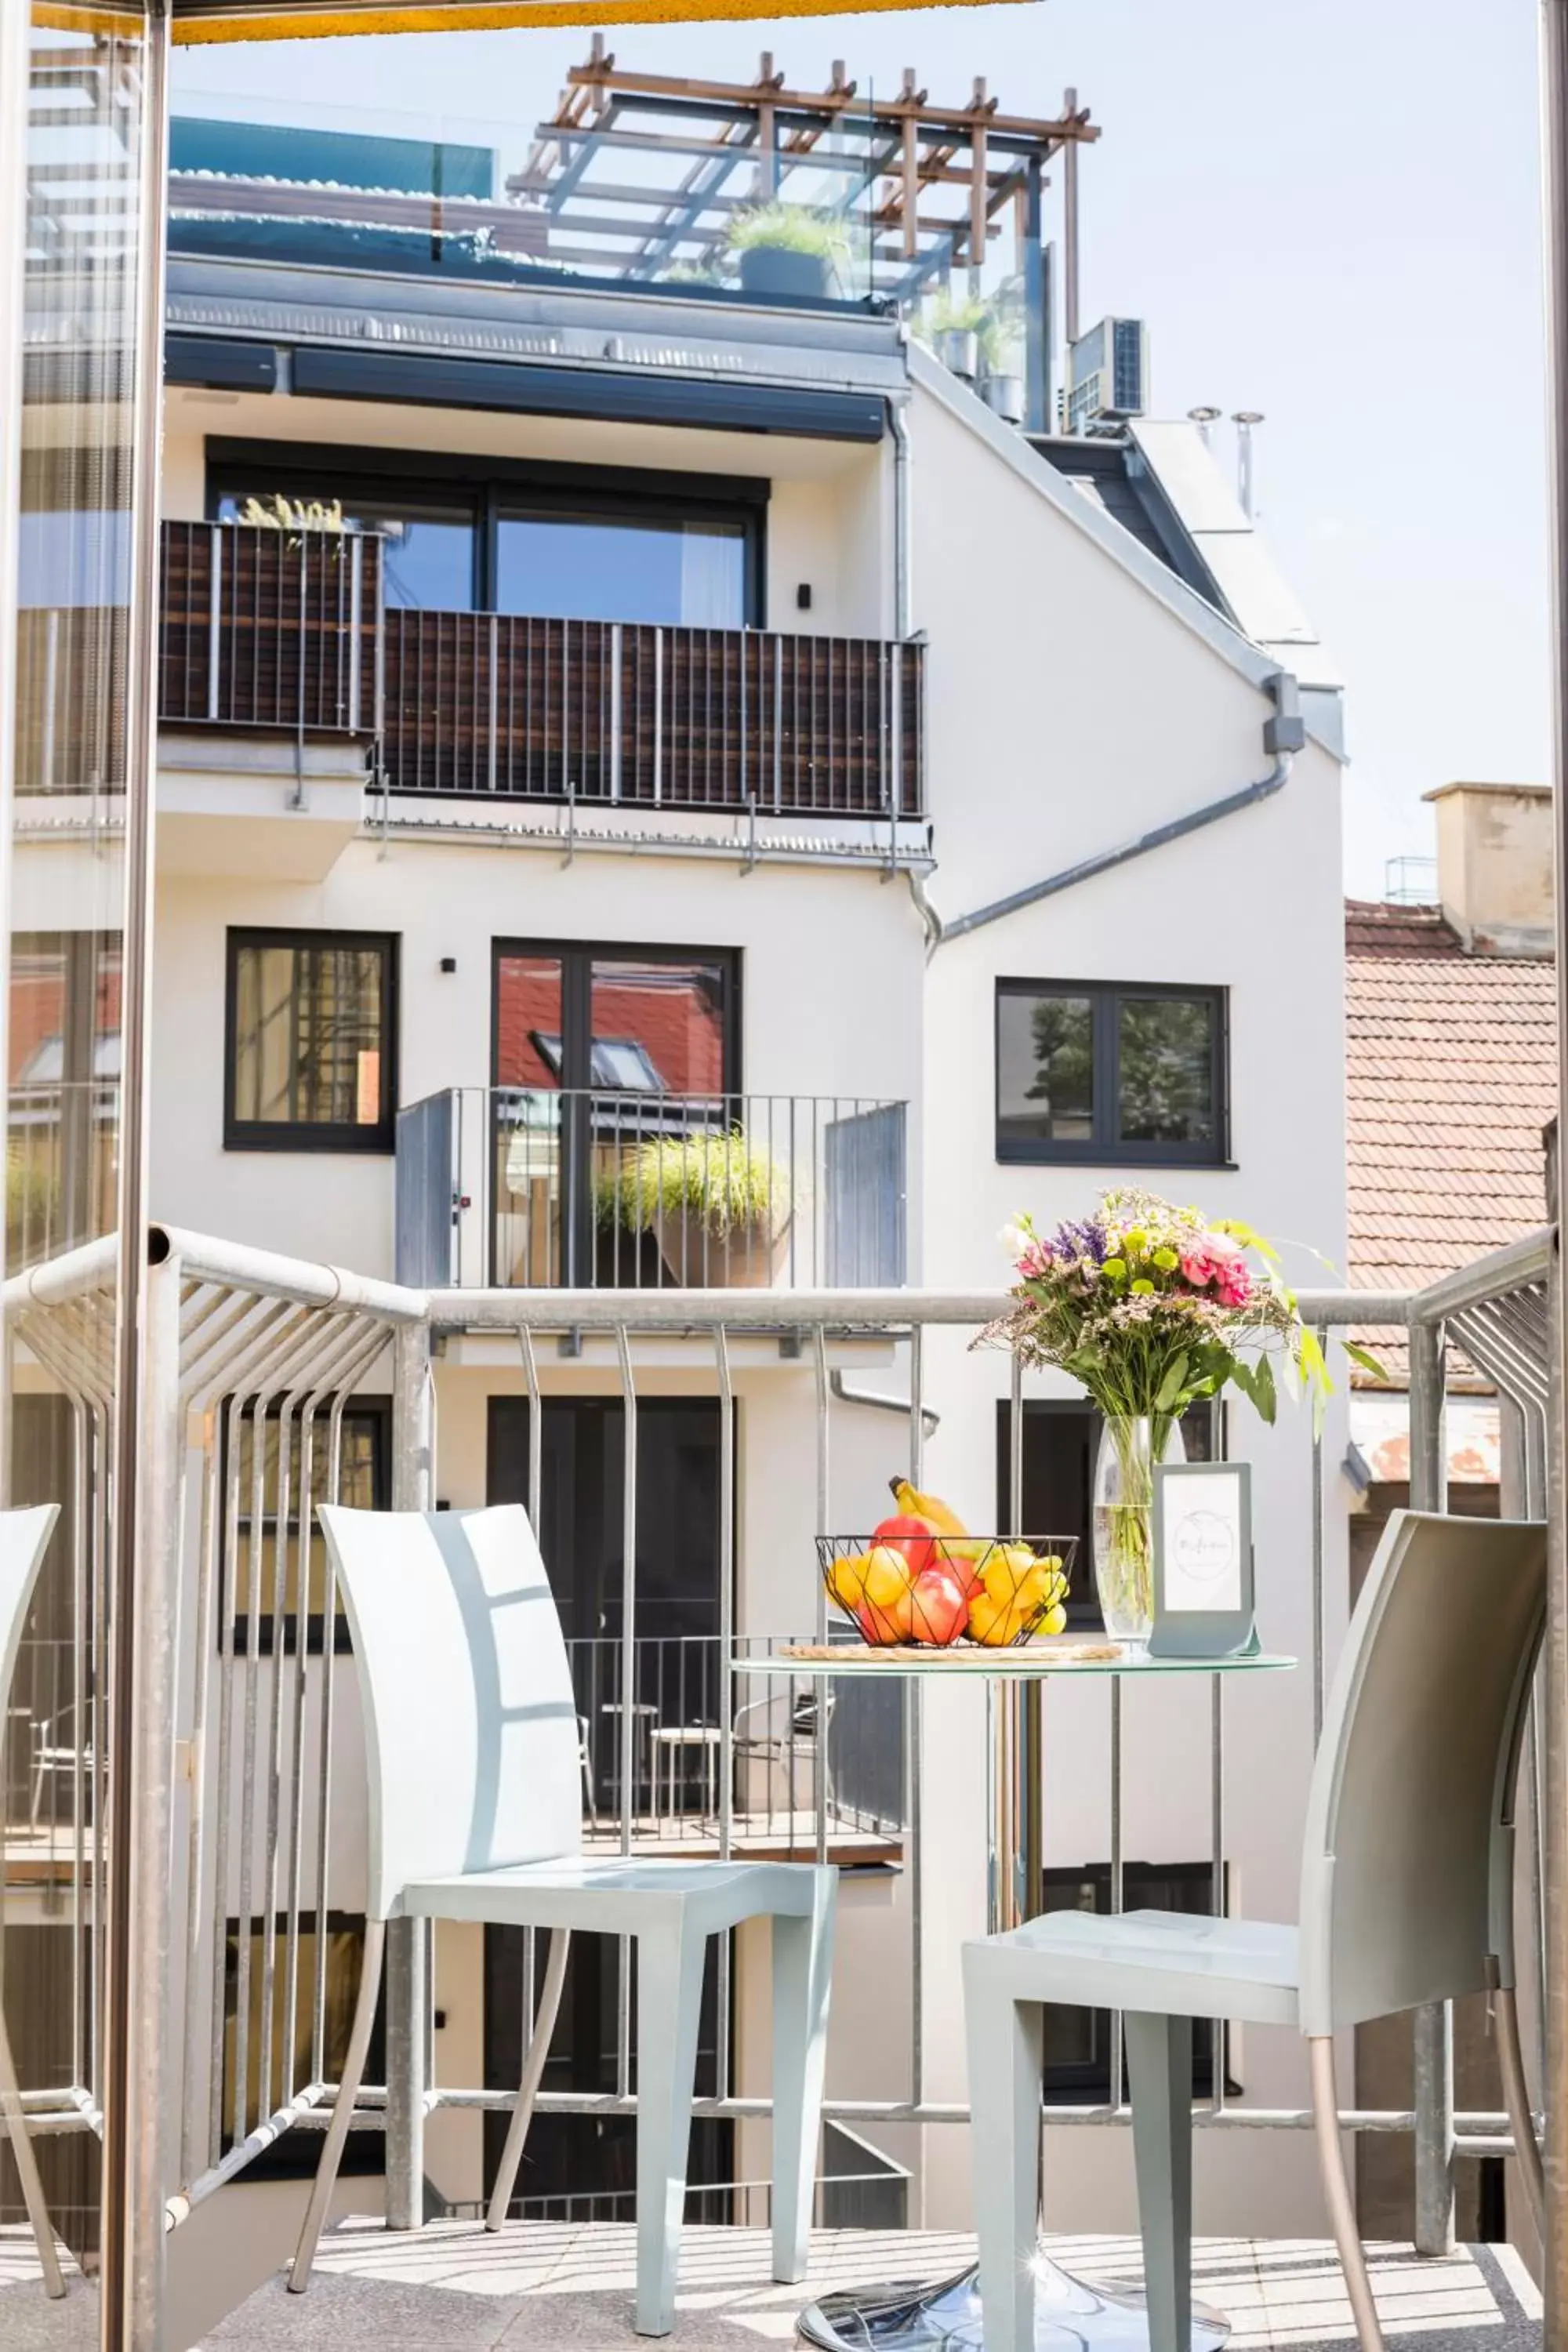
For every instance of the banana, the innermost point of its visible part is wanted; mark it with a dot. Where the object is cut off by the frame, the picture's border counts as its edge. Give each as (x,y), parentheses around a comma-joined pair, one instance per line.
(926,1507)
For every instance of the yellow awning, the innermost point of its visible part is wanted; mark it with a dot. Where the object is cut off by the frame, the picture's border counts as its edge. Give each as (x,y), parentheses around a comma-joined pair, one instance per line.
(265,20)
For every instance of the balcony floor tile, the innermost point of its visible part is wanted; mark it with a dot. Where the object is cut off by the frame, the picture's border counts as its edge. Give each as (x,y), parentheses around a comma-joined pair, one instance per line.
(536,2285)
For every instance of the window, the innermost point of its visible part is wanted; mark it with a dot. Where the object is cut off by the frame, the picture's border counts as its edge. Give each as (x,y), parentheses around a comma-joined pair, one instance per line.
(654,1021)
(1077,2041)
(596,565)
(1105,1072)
(554,541)
(311,1042)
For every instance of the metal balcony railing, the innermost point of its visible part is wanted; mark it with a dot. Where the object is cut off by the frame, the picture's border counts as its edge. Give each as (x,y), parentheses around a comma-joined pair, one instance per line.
(255,1838)
(61,1167)
(619,713)
(274,629)
(848,1738)
(581,1188)
(287,630)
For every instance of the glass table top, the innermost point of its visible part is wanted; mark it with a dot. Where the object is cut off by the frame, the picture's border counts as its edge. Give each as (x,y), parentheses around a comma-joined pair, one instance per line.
(1063,1654)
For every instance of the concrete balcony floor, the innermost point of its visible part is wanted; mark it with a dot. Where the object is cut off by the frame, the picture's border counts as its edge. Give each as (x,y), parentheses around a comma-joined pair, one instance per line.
(539,2285)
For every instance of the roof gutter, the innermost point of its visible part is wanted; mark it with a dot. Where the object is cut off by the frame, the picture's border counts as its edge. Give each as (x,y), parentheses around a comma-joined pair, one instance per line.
(1283,736)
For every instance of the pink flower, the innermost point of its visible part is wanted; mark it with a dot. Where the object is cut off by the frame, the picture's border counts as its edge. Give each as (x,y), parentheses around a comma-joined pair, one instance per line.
(1213,1266)
(1233,1283)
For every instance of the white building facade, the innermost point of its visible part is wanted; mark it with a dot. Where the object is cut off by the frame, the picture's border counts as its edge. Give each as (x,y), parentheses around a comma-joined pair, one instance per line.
(1011,683)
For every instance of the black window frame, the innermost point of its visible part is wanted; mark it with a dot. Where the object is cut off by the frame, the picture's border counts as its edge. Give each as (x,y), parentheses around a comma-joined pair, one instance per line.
(578,958)
(1105,1147)
(491,486)
(270,1135)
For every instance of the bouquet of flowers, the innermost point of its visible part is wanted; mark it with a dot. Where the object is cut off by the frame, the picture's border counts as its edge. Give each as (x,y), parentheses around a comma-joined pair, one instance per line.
(1154,1309)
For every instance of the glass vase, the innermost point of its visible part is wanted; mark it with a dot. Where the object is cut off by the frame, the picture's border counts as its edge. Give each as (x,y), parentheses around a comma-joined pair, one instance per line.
(1124,1521)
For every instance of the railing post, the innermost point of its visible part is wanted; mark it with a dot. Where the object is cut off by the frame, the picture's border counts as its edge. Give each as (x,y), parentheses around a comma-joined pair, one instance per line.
(1433,2025)
(147,1746)
(214,619)
(493,757)
(356,622)
(893,775)
(657,715)
(407,1940)
(614,711)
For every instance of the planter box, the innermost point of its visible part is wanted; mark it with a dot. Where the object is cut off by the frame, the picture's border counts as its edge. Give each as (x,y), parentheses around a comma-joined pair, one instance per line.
(748,1257)
(778,269)
(1004,395)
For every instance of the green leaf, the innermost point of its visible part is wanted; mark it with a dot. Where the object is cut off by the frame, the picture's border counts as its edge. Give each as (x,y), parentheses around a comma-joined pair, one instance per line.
(1247,1235)
(1255,1383)
(1172,1385)
(1365,1358)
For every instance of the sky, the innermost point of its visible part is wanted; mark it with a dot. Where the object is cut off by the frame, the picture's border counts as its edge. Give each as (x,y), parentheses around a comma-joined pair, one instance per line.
(1327,210)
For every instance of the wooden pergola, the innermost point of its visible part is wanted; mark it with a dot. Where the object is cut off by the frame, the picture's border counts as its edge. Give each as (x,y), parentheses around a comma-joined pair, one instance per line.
(929,187)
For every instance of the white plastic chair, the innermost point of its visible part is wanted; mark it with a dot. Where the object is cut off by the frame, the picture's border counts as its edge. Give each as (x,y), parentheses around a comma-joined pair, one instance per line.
(476,1814)
(1406,1898)
(24,1539)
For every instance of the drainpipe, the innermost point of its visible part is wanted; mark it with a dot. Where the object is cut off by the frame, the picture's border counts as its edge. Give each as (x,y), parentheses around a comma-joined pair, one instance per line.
(902,625)
(1283,736)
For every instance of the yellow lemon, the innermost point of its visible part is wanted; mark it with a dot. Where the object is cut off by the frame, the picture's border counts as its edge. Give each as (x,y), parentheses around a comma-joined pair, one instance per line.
(988,1620)
(846,1580)
(886,1578)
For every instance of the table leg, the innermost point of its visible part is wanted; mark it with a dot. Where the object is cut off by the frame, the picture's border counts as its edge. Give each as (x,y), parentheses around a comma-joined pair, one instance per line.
(1071,2315)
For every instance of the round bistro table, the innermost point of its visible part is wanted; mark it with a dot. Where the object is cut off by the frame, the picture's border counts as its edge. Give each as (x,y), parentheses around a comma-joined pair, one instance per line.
(945,2316)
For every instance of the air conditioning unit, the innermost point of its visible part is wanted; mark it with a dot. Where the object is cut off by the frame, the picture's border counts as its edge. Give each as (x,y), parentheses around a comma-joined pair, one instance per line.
(1109,374)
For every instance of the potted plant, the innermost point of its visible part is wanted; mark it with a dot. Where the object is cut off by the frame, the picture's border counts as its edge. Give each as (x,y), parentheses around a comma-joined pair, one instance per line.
(953,327)
(1001,350)
(718,1205)
(790,250)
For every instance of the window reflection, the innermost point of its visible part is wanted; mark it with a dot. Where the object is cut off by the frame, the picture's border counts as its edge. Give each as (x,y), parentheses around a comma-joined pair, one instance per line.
(1046,1067)
(622,568)
(1165,1054)
(428,554)
(658,1027)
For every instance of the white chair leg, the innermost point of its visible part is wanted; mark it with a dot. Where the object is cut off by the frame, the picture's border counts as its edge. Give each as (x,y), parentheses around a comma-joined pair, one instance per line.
(1005,2039)
(538,2051)
(344,2107)
(1516,2098)
(669,2000)
(802,1970)
(1159,2078)
(1337,2193)
(13,2119)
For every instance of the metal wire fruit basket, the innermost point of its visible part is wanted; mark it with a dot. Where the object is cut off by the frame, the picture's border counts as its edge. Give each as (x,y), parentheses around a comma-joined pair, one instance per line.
(934,1591)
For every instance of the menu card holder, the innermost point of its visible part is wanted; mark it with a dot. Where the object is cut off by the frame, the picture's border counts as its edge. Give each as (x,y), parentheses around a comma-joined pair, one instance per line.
(1203,1599)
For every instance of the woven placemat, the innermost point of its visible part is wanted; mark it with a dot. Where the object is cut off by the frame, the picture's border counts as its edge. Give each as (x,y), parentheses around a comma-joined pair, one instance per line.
(1053,1645)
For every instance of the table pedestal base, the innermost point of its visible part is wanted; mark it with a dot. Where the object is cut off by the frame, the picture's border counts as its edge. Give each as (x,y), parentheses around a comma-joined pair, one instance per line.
(1070,2316)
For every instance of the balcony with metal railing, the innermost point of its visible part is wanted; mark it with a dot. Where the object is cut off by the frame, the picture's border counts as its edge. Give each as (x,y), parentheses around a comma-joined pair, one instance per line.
(579,1188)
(259,1849)
(287,632)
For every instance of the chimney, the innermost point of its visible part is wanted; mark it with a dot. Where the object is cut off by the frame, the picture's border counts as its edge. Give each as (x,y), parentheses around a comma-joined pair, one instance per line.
(1494,866)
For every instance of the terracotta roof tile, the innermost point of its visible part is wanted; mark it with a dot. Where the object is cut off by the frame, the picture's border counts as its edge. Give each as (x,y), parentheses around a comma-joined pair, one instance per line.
(1451,1073)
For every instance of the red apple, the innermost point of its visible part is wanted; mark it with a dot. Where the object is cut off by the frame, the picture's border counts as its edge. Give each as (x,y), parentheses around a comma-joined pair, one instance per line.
(916,1538)
(939,1606)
